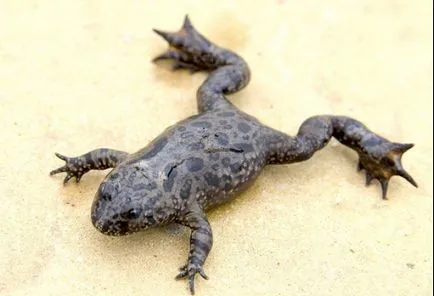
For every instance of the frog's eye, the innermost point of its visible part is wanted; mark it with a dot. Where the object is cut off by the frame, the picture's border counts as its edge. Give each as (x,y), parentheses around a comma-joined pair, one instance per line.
(131,214)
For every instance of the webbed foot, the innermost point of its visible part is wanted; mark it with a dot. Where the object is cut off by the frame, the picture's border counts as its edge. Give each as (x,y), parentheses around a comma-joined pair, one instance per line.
(190,270)
(382,162)
(188,49)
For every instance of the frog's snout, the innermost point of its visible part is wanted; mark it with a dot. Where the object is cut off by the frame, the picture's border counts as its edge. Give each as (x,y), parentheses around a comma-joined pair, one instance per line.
(101,225)
(105,221)
(98,216)
(102,214)
(114,213)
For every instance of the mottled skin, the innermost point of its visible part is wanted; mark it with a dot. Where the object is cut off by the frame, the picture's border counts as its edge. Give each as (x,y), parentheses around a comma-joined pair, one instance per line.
(207,159)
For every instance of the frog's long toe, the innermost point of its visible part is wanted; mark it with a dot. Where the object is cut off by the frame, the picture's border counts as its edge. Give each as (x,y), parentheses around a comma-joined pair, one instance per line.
(383,162)
(182,37)
(188,49)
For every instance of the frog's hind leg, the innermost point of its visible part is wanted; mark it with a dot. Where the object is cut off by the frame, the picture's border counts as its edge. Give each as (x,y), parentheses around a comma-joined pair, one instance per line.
(190,50)
(380,158)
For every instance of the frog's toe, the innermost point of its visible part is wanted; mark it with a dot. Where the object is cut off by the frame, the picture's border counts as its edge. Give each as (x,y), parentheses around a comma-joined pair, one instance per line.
(185,38)
(384,163)
(168,55)
(61,169)
(73,168)
(189,270)
(368,179)
(187,48)
(179,65)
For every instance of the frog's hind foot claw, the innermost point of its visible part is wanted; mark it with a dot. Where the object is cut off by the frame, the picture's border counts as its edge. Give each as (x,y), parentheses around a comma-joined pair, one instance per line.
(185,39)
(188,48)
(383,162)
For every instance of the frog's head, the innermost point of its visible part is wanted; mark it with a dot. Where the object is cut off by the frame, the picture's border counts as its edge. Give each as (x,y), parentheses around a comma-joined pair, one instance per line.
(128,200)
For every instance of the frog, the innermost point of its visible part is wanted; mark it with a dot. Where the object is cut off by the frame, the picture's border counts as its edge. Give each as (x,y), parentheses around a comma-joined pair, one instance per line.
(211,157)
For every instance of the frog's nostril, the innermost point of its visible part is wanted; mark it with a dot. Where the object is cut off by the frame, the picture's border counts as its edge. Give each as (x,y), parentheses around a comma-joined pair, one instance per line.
(107,196)
(105,191)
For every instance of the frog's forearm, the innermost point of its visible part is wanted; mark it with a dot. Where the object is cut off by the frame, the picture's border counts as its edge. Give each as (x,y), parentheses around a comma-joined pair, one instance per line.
(98,159)
(200,245)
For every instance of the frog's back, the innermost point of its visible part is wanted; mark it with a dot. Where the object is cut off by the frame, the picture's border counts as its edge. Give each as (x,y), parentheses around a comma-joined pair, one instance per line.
(207,157)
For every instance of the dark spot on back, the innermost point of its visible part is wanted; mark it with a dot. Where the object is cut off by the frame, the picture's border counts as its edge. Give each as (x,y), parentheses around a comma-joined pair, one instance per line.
(194,164)
(182,128)
(222,138)
(155,148)
(211,179)
(227,126)
(184,193)
(214,156)
(236,167)
(246,137)
(226,161)
(196,146)
(244,127)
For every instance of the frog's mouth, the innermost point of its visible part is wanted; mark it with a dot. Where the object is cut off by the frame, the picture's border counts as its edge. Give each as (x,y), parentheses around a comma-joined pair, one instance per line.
(114,228)
(108,222)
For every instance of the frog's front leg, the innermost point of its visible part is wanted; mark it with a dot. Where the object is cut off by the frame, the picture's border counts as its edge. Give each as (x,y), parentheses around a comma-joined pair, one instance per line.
(378,156)
(98,159)
(200,245)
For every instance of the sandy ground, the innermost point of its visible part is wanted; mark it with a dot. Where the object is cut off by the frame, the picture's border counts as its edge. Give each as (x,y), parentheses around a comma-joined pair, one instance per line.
(76,75)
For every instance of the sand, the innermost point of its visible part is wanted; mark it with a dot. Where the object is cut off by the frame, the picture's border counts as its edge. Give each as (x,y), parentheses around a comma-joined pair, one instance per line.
(76,75)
